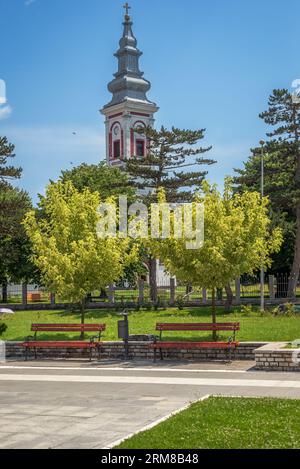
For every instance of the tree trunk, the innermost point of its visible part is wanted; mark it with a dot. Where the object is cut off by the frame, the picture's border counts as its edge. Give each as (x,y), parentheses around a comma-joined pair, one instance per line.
(152,278)
(4,292)
(103,294)
(213,312)
(229,298)
(82,314)
(294,275)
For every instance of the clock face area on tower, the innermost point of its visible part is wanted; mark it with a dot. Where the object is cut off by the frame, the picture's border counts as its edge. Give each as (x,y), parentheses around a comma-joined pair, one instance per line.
(124,139)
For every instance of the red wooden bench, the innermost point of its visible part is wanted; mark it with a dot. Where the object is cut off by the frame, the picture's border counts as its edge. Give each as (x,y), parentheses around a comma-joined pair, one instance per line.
(31,342)
(159,344)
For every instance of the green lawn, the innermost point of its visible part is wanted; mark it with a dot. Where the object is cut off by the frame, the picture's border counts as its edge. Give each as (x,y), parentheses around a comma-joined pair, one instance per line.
(226,423)
(253,327)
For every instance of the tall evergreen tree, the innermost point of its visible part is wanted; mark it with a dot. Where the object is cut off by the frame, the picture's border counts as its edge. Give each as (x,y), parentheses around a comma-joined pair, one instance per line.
(282,176)
(171,162)
(279,186)
(6,152)
(10,199)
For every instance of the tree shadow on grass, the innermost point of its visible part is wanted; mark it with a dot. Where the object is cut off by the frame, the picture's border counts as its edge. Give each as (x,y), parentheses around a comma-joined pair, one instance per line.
(90,313)
(151,317)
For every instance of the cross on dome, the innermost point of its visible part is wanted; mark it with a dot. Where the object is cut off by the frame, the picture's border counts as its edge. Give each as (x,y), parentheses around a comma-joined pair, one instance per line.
(127,8)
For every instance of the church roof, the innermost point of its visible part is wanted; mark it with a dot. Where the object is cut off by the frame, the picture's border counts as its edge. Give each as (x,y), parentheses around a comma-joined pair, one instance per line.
(128,84)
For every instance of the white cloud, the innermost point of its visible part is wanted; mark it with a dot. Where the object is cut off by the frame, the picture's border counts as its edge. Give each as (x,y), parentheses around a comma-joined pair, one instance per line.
(2,92)
(27,3)
(5,112)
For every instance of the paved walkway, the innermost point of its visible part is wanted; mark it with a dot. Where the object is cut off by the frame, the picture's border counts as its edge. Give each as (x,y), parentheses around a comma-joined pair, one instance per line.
(82,405)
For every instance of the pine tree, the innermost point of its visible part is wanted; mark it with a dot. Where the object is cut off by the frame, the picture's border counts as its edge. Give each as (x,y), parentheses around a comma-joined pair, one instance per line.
(282,175)
(10,199)
(170,163)
(279,186)
(7,151)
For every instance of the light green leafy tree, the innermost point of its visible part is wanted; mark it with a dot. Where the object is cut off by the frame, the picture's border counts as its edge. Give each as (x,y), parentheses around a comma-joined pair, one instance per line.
(237,239)
(72,258)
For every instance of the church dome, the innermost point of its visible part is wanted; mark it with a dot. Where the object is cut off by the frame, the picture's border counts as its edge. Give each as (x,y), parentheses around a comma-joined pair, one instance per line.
(128,83)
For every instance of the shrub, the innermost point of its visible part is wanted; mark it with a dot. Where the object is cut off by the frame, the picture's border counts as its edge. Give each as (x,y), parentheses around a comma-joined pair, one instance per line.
(3,328)
(246,310)
(180,302)
(289,309)
(286,309)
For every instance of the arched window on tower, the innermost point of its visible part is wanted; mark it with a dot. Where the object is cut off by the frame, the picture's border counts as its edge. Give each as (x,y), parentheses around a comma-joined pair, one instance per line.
(117,149)
(116,139)
(138,141)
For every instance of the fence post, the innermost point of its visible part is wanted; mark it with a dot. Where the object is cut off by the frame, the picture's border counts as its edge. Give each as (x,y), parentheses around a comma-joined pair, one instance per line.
(172,291)
(141,285)
(52,299)
(271,287)
(24,294)
(111,293)
(204,296)
(238,290)
(4,292)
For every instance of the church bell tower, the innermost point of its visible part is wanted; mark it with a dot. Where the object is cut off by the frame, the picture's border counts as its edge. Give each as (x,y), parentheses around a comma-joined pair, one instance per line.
(129,108)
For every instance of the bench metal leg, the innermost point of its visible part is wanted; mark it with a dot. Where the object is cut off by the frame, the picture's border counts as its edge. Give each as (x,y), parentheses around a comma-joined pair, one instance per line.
(99,352)
(230,354)
(154,355)
(161,354)
(35,353)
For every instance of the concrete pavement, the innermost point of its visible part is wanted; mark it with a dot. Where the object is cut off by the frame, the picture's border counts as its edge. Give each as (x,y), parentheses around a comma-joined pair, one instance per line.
(82,405)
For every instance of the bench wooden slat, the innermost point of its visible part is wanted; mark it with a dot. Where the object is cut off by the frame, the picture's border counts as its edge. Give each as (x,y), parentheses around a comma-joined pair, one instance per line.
(197,327)
(190,345)
(68,327)
(60,344)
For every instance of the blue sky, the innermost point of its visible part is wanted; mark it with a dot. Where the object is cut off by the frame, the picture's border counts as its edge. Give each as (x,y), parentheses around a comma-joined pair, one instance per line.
(212,64)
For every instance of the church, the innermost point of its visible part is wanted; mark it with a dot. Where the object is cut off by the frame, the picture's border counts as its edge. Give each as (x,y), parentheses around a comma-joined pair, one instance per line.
(129,107)
(128,110)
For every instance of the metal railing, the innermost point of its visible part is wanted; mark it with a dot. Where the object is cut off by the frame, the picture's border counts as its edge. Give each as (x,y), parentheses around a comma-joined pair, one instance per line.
(245,289)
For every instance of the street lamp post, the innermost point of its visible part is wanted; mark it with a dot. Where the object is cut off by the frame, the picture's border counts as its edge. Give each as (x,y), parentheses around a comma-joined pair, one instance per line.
(262,270)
